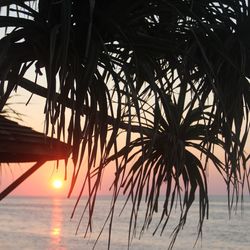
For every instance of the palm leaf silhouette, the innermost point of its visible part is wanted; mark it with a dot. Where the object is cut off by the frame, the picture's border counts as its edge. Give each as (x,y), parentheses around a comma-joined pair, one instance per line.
(161,69)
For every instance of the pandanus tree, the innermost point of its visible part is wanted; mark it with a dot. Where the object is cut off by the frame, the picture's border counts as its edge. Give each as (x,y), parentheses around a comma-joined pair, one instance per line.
(170,75)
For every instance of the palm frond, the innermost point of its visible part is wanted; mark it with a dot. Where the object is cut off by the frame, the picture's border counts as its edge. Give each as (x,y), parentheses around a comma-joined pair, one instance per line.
(163,70)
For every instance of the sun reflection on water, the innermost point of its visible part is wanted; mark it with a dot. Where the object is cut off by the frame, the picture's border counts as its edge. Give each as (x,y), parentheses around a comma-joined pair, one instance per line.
(56,224)
(56,231)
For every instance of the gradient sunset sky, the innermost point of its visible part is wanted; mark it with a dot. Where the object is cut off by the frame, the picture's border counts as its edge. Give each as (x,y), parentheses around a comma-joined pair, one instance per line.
(40,183)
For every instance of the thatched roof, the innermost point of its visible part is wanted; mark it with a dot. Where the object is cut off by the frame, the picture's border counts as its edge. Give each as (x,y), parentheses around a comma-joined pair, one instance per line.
(22,144)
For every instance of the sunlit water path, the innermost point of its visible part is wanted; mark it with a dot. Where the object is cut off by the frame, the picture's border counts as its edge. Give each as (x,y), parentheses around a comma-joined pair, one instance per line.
(44,223)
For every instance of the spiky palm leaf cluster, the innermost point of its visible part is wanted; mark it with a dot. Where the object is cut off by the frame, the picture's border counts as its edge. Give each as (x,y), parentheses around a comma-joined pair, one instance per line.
(173,71)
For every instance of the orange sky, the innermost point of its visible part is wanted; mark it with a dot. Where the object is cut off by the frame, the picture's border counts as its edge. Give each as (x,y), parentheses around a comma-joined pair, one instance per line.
(40,183)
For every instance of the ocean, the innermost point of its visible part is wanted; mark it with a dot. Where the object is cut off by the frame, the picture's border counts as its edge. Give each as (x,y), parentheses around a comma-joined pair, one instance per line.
(44,223)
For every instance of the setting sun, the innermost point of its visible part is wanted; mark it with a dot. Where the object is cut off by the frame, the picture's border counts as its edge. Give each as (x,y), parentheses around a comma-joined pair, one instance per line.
(57,184)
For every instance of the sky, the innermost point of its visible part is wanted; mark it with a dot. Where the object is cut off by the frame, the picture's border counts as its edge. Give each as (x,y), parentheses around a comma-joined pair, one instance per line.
(40,183)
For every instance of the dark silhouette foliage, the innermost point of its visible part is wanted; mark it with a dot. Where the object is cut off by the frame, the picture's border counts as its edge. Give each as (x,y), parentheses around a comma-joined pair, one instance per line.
(172,72)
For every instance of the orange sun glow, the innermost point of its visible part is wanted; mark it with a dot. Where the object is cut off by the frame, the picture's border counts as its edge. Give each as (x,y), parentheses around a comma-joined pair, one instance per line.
(57,184)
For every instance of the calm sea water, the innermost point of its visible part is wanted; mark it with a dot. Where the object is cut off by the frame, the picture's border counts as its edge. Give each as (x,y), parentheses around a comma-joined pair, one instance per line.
(44,223)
